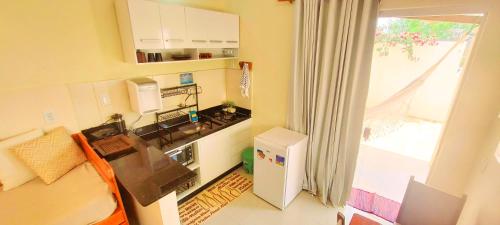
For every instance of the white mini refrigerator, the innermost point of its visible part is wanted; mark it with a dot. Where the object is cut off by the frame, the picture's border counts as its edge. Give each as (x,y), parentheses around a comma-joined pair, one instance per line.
(279,165)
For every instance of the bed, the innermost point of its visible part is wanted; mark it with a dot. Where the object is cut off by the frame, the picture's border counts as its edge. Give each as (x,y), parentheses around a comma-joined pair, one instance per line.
(88,194)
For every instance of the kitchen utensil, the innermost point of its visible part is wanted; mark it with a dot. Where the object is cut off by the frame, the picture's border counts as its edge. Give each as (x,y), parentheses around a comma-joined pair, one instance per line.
(114,145)
(205,55)
(151,57)
(158,57)
(181,56)
(228,52)
(191,128)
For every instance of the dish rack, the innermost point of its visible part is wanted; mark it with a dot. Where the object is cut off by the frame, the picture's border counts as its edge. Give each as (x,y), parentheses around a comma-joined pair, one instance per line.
(168,121)
(180,90)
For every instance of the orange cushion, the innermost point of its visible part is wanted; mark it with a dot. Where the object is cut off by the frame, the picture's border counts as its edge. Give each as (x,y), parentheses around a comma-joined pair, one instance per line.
(361,220)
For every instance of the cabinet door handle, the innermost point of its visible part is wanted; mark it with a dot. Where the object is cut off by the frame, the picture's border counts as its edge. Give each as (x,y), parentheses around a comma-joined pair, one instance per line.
(231,41)
(175,153)
(149,39)
(215,41)
(199,41)
(174,40)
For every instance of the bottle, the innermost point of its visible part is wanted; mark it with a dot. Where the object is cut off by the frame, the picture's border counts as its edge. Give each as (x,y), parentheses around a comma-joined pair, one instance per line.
(158,57)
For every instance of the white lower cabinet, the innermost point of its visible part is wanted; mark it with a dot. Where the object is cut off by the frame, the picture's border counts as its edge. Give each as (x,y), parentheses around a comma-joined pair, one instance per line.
(217,153)
(221,150)
(161,212)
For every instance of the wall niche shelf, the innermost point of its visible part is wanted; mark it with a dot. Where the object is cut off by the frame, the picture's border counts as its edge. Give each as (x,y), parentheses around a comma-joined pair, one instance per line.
(194,54)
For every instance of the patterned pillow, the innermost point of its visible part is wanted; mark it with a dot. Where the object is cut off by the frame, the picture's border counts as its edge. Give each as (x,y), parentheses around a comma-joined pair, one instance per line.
(13,171)
(52,155)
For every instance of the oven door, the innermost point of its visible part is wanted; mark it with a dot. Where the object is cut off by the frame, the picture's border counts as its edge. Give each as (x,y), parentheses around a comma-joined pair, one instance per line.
(183,155)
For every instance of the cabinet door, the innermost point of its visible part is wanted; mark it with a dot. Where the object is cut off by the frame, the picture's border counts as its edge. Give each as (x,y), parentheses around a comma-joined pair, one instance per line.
(169,210)
(146,24)
(221,151)
(222,30)
(231,38)
(209,152)
(173,21)
(216,29)
(197,27)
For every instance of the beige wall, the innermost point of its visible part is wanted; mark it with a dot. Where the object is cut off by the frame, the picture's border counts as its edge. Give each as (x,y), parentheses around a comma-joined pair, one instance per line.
(78,105)
(483,190)
(90,110)
(60,56)
(266,40)
(477,101)
(433,99)
(233,91)
(22,110)
(58,42)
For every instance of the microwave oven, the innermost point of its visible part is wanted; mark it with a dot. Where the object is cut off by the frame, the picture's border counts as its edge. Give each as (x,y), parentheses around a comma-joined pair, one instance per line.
(184,155)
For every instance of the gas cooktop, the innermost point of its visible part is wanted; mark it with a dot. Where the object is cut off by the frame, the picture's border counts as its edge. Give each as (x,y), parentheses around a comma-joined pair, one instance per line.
(217,115)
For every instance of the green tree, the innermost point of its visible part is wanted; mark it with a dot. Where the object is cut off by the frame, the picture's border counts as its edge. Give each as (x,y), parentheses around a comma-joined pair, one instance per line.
(409,33)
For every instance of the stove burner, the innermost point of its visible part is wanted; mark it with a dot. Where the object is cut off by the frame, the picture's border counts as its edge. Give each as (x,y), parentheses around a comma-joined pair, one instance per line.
(224,117)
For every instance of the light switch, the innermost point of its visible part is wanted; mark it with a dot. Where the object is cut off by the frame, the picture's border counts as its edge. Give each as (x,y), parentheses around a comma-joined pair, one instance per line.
(49,117)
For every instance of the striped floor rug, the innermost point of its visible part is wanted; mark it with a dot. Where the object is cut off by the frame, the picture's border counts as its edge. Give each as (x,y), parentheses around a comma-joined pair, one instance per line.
(206,203)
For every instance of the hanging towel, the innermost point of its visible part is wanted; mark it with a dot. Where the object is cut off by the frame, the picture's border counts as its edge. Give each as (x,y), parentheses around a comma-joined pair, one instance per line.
(245,81)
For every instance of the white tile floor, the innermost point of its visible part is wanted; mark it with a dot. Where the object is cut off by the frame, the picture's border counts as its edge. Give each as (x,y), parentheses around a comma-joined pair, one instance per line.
(248,209)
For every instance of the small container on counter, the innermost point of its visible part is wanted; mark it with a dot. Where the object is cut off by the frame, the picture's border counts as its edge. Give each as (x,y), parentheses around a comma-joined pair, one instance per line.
(151,57)
(141,56)
(158,57)
(205,55)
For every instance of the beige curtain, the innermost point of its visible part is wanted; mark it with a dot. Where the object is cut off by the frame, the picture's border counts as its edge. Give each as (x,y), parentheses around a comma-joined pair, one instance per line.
(331,66)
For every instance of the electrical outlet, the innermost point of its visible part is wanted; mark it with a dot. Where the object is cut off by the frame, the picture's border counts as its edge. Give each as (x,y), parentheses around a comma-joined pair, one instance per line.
(49,117)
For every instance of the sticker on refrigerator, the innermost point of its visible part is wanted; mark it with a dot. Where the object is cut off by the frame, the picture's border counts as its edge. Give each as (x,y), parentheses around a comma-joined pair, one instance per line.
(280,160)
(260,154)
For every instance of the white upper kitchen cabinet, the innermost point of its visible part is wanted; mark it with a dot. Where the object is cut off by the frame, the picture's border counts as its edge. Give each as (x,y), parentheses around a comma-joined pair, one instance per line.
(217,30)
(210,29)
(146,24)
(197,26)
(153,26)
(173,22)
(231,24)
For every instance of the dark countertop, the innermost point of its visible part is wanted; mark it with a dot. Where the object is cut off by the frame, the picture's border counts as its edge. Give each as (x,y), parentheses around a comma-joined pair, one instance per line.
(148,174)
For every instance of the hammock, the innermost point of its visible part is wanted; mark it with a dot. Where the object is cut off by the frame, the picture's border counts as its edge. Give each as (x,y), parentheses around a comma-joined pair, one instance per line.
(396,106)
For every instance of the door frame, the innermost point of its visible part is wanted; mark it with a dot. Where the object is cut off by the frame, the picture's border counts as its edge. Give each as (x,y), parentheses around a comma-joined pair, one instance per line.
(444,11)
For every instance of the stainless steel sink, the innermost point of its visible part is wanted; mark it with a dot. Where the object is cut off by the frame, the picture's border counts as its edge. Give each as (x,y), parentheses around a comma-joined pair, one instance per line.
(192,128)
